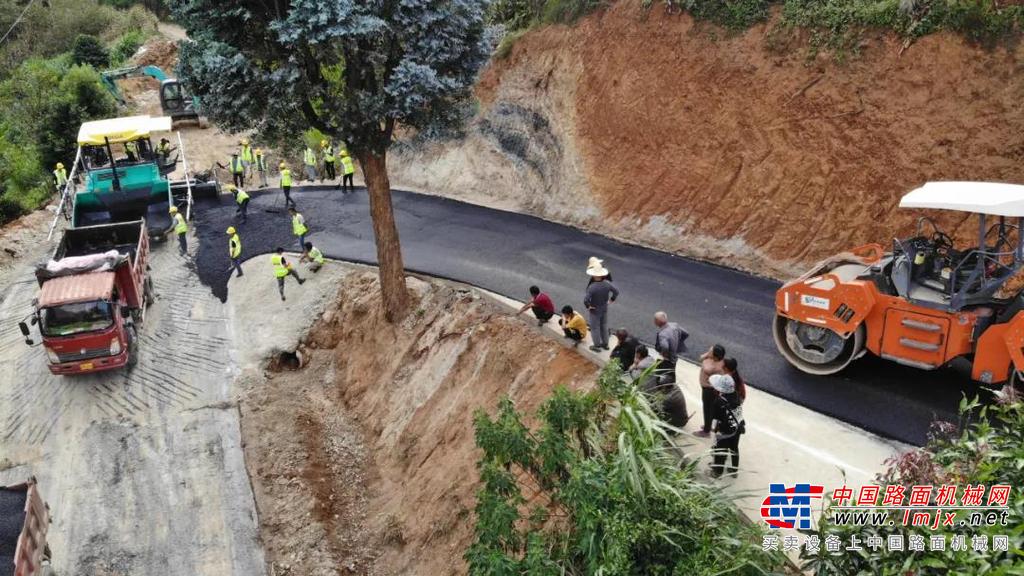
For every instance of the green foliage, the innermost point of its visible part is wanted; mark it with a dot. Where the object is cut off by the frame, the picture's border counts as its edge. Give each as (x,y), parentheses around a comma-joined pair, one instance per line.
(42,104)
(88,50)
(988,449)
(597,488)
(126,46)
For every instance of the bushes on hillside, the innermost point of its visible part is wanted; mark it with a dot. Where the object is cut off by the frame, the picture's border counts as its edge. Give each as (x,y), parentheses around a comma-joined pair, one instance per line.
(88,50)
(596,488)
(42,105)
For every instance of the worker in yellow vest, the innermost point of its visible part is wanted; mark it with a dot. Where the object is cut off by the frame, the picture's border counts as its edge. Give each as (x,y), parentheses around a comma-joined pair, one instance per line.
(286,183)
(309,162)
(237,169)
(282,269)
(60,176)
(181,229)
(314,256)
(327,152)
(348,169)
(299,228)
(235,250)
(242,199)
(261,166)
(248,159)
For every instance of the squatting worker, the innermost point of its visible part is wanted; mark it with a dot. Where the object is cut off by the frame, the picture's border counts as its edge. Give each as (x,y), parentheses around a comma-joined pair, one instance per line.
(235,250)
(712,362)
(314,256)
(299,228)
(283,269)
(600,292)
(348,169)
(573,325)
(286,184)
(181,229)
(541,304)
(242,199)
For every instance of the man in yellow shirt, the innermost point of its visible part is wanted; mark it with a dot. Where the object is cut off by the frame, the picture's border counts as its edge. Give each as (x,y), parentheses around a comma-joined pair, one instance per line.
(573,325)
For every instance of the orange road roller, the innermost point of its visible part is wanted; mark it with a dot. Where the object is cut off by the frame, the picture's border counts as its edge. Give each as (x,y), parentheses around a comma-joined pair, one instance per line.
(924,302)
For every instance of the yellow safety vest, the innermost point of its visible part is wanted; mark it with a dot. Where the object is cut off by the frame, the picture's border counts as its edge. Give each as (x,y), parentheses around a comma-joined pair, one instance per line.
(329,154)
(247,153)
(236,165)
(286,178)
(298,226)
(309,157)
(349,165)
(163,149)
(179,224)
(242,196)
(235,246)
(280,270)
(261,164)
(316,255)
(62,176)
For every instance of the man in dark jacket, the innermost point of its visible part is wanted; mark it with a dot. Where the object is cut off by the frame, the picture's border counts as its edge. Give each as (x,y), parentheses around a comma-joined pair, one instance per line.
(600,292)
(670,341)
(625,348)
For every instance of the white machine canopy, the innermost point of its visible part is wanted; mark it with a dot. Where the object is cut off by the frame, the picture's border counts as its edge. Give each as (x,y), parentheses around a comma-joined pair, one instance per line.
(992,198)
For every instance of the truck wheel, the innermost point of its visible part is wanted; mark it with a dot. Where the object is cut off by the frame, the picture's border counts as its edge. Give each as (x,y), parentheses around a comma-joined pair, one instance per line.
(133,348)
(816,349)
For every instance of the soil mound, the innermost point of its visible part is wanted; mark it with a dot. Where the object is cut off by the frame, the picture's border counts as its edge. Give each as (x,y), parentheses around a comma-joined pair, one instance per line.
(664,131)
(363,461)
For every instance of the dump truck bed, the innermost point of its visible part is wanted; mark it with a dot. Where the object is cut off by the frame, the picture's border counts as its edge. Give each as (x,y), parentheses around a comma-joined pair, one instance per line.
(129,239)
(12,519)
(24,522)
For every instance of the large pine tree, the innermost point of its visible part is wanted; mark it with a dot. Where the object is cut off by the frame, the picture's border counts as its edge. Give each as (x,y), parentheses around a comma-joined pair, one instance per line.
(355,70)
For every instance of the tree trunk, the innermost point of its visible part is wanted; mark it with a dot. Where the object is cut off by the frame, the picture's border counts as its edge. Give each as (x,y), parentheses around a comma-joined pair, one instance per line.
(389,251)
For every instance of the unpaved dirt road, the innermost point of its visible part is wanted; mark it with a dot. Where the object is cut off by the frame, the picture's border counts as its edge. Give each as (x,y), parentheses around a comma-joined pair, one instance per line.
(144,469)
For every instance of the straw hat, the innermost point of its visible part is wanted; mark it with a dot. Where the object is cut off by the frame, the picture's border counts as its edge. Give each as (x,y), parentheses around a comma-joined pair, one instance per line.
(595,267)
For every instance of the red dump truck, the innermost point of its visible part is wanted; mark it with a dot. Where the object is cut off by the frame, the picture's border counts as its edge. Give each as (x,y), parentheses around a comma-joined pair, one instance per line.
(92,298)
(24,522)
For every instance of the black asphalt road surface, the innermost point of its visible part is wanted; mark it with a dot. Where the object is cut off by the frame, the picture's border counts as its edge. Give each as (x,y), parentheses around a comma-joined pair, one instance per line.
(506,253)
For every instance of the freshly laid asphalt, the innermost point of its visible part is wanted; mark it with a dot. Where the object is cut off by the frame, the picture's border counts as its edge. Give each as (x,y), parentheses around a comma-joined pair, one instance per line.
(506,252)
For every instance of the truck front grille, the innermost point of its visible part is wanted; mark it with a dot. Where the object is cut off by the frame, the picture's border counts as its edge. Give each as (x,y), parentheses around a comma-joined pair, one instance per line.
(86,355)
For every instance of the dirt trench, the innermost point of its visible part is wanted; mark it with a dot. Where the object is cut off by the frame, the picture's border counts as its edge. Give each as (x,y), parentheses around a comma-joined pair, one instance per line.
(363,460)
(741,148)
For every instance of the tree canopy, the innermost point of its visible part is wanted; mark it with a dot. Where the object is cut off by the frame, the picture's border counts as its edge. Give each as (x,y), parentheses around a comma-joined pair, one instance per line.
(353,70)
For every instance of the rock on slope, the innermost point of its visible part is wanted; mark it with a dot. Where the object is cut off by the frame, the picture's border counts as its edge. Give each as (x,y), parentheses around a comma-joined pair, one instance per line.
(365,458)
(656,129)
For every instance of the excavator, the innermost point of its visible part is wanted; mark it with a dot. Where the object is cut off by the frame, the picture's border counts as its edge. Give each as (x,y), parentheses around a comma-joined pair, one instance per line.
(173,100)
(923,302)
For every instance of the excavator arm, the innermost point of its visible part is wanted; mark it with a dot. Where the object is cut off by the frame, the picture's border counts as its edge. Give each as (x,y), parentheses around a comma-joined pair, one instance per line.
(110,78)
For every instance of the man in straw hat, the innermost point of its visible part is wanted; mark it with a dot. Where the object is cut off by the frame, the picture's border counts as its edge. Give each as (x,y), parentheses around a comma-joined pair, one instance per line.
(600,292)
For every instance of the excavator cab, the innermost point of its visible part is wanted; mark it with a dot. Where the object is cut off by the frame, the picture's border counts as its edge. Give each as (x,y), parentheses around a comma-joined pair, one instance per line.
(922,303)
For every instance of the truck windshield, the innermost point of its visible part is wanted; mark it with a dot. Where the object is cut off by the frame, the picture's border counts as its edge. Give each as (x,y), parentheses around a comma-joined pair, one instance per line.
(75,318)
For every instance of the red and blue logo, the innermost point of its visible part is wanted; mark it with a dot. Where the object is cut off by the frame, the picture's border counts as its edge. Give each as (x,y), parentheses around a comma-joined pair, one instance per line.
(790,507)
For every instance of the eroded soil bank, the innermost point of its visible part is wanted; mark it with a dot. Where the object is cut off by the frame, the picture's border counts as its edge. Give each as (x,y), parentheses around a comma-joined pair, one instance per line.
(363,460)
(738,149)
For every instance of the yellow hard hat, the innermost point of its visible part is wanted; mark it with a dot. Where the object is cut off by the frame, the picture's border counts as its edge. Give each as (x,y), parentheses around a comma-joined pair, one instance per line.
(231,229)
(244,142)
(344,152)
(258,151)
(323,142)
(173,210)
(282,166)
(60,166)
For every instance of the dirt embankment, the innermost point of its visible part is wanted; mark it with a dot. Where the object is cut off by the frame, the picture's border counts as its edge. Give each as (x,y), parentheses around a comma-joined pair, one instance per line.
(363,461)
(656,129)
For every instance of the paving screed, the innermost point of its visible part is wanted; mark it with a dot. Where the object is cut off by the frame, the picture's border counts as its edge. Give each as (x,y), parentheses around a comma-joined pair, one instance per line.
(506,252)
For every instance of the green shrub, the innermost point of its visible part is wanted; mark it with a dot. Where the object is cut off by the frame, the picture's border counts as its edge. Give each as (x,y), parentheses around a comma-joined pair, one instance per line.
(607,494)
(89,50)
(987,449)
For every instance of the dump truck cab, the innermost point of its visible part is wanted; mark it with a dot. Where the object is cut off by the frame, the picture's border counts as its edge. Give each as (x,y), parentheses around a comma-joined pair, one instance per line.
(92,298)
(922,302)
(124,180)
